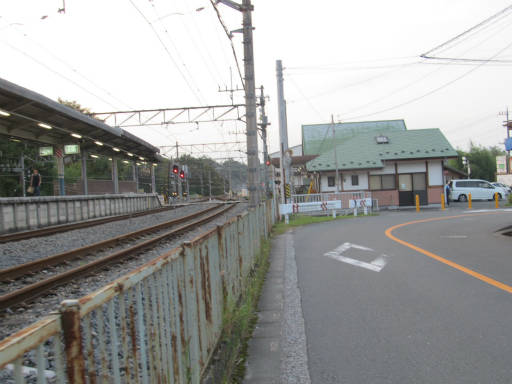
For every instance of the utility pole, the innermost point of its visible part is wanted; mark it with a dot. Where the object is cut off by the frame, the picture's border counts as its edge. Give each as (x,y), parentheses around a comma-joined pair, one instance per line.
(264,123)
(335,155)
(253,163)
(283,128)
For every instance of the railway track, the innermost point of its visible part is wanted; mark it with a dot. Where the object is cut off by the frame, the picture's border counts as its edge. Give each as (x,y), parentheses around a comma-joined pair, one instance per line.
(9,237)
(41,287)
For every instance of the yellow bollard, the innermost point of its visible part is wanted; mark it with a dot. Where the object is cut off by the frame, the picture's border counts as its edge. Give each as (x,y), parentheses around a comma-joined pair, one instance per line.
(469,201)
(417,203)
(442,201)
(496,200)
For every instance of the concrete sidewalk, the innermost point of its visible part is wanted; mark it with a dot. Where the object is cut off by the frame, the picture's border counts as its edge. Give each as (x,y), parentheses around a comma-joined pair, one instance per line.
(277,350)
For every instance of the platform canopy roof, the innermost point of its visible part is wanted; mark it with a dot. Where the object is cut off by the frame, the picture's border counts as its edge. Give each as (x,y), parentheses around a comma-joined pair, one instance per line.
(29,116)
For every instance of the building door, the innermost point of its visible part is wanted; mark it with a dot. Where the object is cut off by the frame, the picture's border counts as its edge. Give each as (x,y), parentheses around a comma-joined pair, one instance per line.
(410,185)
(405,195)
(419,187)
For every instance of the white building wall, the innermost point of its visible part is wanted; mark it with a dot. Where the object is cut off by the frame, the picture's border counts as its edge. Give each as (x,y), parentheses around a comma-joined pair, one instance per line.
(347,181)
(435,173)
(389,168)
(411,167)
(323,182)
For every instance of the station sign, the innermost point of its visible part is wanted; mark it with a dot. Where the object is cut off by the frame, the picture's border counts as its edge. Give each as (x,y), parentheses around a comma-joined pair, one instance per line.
(45,151)
(71,149)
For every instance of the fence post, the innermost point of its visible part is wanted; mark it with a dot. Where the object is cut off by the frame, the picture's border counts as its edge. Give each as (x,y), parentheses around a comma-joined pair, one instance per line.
(70,320)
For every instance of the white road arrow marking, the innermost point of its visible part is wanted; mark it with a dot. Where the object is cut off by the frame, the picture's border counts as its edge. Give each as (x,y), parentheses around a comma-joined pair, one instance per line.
(376,265)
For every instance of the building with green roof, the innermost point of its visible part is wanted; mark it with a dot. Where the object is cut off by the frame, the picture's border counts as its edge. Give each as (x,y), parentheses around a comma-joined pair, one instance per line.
(394,163)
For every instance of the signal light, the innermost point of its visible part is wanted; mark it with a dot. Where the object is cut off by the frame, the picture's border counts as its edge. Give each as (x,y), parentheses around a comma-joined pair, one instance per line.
(182,174)
(267,162)
(175,169)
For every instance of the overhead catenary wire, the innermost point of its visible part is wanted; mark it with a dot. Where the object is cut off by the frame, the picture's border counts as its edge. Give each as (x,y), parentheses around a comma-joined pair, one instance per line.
(230,37)
(58,73)
(199,50)
(73,69)
(196,93)
(206,47)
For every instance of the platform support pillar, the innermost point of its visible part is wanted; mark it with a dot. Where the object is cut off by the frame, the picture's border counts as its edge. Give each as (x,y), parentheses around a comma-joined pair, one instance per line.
(153,180)
(84,171)
(60,170)
(115,175)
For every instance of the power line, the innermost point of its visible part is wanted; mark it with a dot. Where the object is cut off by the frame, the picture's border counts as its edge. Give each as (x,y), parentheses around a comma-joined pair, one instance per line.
(306,98)
(357,83)
(230,37)
(197,95)
(433,90)
(427,55)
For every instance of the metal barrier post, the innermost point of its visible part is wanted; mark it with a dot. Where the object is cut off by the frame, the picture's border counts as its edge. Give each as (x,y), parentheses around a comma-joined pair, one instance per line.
(442,201)
(469,201)
(70,318)
(417,203)
(496,200)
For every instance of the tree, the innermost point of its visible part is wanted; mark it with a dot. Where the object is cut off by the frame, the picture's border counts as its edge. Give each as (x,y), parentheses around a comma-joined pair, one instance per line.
(482,161)
(75,105)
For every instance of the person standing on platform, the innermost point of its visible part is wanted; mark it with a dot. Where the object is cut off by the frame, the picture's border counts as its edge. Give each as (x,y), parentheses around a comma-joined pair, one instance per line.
(35,183)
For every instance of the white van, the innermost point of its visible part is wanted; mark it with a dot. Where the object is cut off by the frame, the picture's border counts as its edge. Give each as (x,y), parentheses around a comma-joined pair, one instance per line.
(479,189)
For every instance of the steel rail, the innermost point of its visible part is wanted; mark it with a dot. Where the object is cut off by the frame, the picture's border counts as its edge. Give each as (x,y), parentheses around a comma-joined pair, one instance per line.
(37,265)
(34,290)
(82,224)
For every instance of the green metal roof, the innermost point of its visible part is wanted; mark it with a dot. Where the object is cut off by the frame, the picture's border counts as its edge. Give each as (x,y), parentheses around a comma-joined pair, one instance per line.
(363,152)
(318,138)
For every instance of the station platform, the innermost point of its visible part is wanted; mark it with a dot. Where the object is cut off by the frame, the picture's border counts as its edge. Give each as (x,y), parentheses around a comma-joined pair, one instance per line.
(24,213)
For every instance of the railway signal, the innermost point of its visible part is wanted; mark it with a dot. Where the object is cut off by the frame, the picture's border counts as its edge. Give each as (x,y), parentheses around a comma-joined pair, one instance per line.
(175,169)
(182,174)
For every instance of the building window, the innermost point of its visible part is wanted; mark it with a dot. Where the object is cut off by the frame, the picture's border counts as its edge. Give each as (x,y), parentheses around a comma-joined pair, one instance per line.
(378,182)
(355,179)
(330,181)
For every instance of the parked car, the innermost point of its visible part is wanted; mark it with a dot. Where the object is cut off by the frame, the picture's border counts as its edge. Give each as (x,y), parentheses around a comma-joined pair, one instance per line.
(501,185)
(479,189)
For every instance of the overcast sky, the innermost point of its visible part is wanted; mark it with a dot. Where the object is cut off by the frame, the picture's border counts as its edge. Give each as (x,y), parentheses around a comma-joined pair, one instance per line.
(354,60)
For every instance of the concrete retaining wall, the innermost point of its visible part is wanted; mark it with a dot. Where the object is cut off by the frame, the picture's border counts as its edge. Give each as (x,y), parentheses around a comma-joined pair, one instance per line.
(23,213)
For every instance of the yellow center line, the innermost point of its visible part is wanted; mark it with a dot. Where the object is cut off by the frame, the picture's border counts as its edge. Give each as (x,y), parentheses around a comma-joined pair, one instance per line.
(470,272)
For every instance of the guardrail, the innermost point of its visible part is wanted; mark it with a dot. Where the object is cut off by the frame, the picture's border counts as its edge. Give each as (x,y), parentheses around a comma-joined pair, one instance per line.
(344,197)
(160,323)
(21,213)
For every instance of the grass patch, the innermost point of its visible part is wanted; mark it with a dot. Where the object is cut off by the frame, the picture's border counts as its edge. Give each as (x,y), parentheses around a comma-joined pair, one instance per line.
(239,320)
(299,220)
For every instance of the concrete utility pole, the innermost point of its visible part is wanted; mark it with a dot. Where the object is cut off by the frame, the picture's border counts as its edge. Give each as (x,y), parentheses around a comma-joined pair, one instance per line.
(335,155)
(264,123)
(283,125)
(253,162)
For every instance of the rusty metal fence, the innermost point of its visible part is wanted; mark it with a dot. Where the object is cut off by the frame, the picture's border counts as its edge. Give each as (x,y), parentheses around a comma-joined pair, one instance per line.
(158,324)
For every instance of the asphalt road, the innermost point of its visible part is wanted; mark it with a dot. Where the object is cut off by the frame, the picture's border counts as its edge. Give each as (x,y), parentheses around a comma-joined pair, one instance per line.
(399,315)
